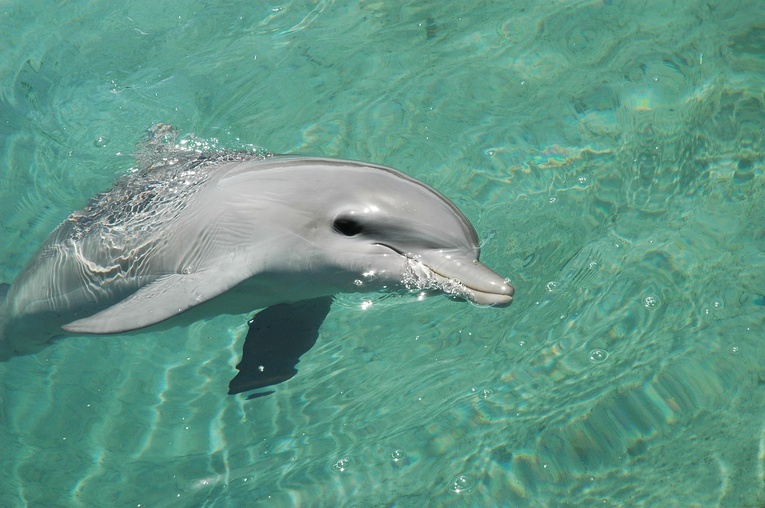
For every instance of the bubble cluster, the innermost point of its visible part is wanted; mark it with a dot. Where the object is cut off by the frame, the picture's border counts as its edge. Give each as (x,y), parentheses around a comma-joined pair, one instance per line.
(651,302)
(717,305)
(418,277)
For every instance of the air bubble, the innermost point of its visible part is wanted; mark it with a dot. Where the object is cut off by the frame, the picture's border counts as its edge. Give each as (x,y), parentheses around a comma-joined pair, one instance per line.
(341,465)
(462,483)
(552,286)
(398,456)
(651,302)
(598,355)
(485,393)
(735,350)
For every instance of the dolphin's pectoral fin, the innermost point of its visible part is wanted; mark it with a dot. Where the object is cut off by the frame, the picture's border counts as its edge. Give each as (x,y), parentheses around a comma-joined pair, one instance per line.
(164,298)
(278,336)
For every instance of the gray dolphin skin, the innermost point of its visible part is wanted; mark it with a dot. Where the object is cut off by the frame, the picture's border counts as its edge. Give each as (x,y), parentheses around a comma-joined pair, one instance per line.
(232,232)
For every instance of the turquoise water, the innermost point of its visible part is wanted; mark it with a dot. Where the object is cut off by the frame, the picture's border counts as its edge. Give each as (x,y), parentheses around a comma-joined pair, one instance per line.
(611,156)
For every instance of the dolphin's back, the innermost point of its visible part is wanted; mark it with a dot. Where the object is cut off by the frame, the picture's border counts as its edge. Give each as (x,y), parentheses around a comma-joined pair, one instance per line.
(103,252)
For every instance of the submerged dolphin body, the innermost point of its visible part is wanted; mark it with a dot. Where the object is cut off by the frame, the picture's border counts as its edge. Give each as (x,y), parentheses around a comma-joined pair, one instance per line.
(230,233)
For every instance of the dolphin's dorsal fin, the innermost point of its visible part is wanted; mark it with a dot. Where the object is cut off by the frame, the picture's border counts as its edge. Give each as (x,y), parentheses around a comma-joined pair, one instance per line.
(159,300)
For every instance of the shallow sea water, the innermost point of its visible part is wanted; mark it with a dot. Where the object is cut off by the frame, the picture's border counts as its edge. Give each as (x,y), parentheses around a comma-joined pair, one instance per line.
(611,156)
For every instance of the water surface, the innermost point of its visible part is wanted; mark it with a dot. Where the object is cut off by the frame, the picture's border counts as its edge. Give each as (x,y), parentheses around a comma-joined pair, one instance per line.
(611,156)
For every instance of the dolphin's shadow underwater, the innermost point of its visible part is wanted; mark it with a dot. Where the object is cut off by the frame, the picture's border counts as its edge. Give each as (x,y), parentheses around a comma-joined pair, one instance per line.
(189,235)
(275,342)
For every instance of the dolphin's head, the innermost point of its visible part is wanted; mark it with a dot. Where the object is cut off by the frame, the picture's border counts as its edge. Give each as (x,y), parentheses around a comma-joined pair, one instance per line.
(381,228)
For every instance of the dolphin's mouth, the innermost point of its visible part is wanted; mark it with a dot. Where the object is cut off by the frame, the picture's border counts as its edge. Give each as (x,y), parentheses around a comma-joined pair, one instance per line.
(478,290)
(455,275)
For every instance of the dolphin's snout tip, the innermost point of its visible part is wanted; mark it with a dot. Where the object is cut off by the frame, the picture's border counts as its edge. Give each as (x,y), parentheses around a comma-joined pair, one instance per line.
(490,299)
(500,296)
(503,302)
(507,289)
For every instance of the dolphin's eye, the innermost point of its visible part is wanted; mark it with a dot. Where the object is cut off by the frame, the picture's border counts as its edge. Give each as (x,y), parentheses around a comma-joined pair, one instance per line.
(347,226)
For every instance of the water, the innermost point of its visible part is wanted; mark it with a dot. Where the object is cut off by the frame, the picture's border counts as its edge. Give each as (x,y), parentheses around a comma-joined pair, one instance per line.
(611,157)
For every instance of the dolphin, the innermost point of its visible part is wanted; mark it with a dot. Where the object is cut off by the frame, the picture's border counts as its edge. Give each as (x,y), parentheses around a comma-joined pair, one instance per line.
(201,234)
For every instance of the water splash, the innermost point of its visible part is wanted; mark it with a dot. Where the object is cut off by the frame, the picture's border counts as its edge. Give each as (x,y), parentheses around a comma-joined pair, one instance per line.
(418,277)
(167,172)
